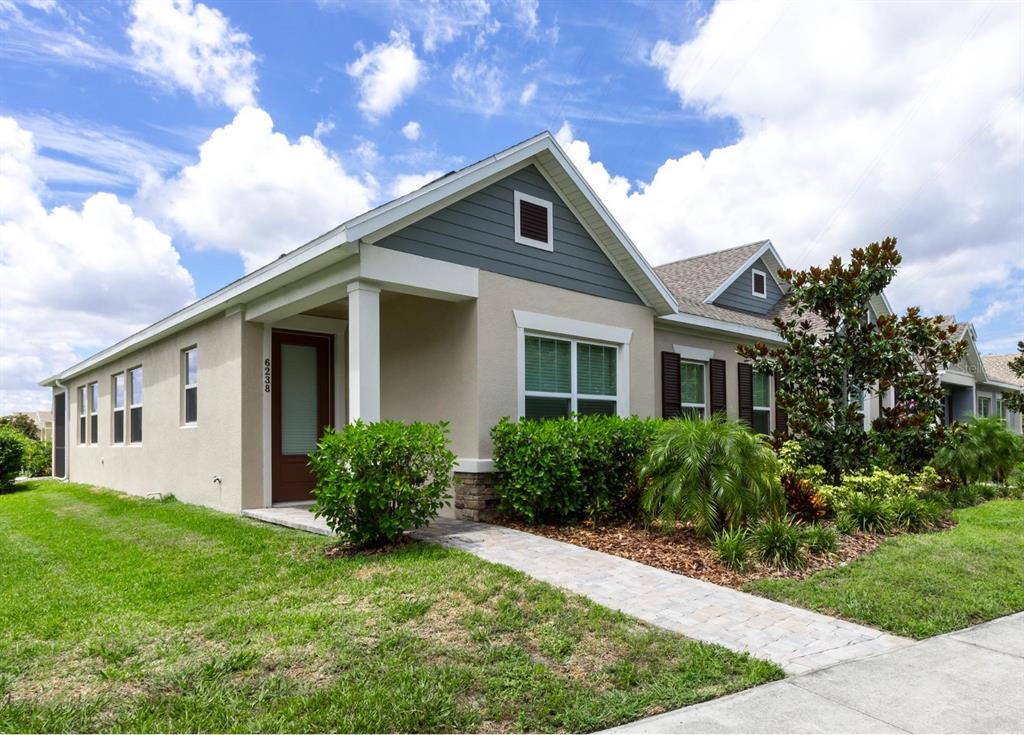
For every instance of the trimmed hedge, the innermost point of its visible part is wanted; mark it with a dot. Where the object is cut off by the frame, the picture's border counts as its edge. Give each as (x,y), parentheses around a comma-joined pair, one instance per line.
(376,481)
(561,470)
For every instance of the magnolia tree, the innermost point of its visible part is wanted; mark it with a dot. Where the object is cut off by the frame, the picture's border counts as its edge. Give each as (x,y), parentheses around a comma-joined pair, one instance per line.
(1014,400)
(832,354)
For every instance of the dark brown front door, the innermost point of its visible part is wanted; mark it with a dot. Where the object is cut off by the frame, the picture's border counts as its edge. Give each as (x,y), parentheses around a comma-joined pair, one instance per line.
(303,405)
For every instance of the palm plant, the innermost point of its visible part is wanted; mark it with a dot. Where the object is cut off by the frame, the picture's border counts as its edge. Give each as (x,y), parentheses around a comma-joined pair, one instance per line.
(978,450)
(713,473)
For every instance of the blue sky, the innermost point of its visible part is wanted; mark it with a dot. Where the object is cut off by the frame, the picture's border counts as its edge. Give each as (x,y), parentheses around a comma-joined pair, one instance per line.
(157,149)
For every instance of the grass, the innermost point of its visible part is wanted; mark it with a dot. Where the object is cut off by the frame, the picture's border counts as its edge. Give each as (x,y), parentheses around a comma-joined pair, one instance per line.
(920,585)
(123,614)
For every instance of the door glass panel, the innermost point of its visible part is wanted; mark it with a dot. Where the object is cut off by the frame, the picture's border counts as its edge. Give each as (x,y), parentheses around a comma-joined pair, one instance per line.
(299,430)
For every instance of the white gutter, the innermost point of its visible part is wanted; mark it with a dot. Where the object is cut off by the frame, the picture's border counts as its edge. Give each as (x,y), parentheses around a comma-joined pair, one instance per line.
(719,325)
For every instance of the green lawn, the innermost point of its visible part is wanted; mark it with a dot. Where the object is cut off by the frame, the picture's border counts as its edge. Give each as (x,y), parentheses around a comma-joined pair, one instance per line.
(122,614)
(920,585)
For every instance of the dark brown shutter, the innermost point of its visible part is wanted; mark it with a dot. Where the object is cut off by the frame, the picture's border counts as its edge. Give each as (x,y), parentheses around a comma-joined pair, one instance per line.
(781,420)
(716,377)
(533,221)
(745,391)
(671,398)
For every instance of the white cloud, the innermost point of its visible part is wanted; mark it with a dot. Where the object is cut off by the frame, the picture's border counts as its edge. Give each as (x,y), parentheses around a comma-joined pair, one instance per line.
(323,127)
(387,74)
(528,93)
(443,21)
(411,130)
(480,84)
(858,120)
(193,47)
(73,280)
(991,312)
(405,183)
(256,193)
(525,12)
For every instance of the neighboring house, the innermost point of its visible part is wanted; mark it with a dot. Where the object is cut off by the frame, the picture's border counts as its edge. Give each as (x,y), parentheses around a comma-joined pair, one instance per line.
(43,421)
(502,289)
(975,385)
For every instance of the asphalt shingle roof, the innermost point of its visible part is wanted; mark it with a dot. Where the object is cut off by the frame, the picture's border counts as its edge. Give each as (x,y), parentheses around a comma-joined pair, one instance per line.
(997,367)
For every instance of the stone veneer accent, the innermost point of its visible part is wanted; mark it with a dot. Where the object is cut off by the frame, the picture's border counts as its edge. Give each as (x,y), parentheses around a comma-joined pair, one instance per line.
(475,498)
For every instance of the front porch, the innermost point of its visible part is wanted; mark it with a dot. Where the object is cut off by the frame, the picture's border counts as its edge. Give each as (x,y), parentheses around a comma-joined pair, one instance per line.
(379,335)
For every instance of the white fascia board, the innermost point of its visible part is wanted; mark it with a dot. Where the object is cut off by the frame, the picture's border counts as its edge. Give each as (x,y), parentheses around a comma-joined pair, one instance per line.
(259,282)
(767,248)
(719,325)
(415,274)
(1001,385)
(557,325)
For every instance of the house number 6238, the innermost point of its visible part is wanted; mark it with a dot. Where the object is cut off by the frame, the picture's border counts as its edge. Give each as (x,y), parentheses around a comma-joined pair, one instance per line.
(266,375)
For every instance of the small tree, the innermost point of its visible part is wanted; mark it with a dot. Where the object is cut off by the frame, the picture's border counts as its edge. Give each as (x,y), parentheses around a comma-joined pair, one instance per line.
(22,423)
(1014,400)
(832,354)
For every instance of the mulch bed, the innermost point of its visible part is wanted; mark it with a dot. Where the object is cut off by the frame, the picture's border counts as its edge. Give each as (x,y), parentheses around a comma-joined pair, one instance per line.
(684,552)
(346,550)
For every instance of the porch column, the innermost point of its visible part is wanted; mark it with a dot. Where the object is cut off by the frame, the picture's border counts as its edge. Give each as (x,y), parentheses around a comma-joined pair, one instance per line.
(363,351)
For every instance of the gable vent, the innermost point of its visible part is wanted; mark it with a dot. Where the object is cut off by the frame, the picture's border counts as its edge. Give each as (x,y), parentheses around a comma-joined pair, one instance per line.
(533,221)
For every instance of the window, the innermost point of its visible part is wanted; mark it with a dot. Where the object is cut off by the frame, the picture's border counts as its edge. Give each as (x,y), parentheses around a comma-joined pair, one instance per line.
(759,284)
(533,222)
(762,403)
(693,389)
(135,405)
(190,385)
(984,406)
(1001,409)
(82,416)
(94,413)
(117,392)
(565,376)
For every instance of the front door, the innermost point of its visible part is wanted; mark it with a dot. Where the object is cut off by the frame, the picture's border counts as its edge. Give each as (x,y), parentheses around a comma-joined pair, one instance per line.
(303,402)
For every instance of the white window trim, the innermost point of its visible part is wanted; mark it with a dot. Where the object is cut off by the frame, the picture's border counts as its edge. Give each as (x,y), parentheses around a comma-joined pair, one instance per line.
(522,239)
(83,413)
(93,392)
(988,406)
(770,408)
(131,404)
(693,354)
(754,273)
(707,385)
(114,409)
(544,325)
(185,385)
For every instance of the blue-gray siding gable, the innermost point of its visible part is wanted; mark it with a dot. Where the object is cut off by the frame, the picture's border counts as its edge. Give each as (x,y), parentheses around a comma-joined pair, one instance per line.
(740,294)
(478,231)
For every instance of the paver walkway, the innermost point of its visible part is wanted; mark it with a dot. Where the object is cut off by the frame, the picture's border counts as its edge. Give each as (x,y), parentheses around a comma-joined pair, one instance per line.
(798,640)
(968,681)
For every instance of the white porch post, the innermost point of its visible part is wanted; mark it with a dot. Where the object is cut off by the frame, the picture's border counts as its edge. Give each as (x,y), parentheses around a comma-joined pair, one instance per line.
(364,351)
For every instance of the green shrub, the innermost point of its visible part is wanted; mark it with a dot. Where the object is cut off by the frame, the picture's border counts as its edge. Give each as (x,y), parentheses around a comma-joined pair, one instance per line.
(867,513)
(560,470)
(978,450)
(821,540)
(963,496)
(36,459)
(731,548)
(713,473)
(12,449)
(375,481)
(910,513)
(779,542)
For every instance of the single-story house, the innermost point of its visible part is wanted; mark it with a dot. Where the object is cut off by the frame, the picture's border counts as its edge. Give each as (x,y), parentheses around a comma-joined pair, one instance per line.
(503,289)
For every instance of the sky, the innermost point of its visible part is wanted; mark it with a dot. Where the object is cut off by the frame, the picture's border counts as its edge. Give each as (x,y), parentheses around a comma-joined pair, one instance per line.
(151,151)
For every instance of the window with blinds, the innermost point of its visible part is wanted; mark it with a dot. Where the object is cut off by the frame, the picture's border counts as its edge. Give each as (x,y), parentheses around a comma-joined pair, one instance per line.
(117,391)
(190,385)
(135,405)
(693,389)
(94,413)
(565,376)
(762,403)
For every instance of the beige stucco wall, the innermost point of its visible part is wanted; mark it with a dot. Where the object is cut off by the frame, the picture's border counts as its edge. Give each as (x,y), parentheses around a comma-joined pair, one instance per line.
(172,458)
(428,365)
(497,345)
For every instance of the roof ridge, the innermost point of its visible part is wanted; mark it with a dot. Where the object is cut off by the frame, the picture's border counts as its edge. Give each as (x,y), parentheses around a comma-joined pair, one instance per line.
(714,252)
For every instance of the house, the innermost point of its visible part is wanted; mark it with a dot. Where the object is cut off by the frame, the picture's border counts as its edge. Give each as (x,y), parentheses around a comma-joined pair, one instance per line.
(502,289)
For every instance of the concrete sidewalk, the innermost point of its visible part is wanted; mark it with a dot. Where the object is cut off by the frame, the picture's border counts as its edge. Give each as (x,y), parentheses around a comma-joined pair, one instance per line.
(969,681)
(796,639)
